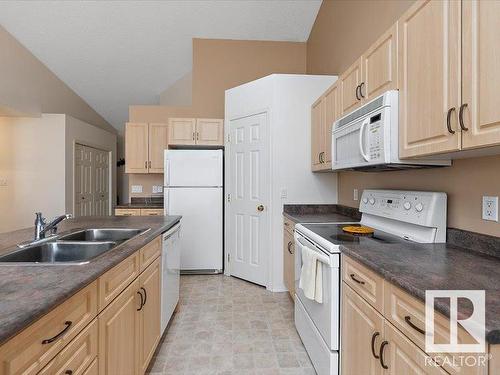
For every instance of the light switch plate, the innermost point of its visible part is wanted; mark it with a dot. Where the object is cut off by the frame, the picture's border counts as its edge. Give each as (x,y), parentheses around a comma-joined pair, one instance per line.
(355,194)
(136,188)
(284,194)
(490,208)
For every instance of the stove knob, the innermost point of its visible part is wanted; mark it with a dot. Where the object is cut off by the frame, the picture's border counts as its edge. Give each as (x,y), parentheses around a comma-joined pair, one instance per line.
(372,200)
(407,205)
(365,200)
(419,207)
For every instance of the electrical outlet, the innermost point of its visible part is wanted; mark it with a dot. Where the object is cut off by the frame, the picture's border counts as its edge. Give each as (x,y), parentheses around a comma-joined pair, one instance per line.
(136,189)
(355,194)
(490,208)
(3,182)
(284,193)
(157,189)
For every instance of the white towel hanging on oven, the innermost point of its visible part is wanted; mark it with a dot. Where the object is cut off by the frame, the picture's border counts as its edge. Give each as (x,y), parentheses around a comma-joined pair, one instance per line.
(311,276)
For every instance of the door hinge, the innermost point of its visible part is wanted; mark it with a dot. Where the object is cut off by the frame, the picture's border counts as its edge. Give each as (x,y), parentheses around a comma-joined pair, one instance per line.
(229,198)
(228,138)
(228,258)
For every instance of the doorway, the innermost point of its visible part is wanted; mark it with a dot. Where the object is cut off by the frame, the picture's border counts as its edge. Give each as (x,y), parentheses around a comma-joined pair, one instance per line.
(92,182)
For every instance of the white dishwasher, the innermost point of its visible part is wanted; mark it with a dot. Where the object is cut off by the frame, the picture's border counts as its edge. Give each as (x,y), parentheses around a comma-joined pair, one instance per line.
(170,273)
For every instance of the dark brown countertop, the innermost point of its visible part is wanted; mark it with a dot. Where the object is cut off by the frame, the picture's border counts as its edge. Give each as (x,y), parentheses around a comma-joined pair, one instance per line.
(469,261)
(320,213)
(29,292)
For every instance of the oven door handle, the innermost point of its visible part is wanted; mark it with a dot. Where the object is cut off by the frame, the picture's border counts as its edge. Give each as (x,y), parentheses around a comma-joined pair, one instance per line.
(321,257)
(361,133)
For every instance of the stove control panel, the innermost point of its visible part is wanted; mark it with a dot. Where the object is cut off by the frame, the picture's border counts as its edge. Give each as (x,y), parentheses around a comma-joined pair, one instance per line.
(417,207)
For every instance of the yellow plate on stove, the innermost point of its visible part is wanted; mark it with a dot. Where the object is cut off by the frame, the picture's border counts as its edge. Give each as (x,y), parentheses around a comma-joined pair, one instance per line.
(358,230)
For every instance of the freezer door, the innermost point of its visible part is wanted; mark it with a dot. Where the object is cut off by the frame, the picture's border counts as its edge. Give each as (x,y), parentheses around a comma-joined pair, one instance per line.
(193,168)
(201,241)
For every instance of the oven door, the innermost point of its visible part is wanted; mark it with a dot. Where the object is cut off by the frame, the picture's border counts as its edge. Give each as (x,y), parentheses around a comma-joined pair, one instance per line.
(325,316)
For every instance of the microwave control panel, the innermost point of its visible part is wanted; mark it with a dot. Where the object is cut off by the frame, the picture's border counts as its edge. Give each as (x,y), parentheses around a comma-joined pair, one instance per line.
(375,137)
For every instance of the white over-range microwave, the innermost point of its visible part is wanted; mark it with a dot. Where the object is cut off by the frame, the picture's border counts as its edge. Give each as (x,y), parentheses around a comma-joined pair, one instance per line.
(367,139)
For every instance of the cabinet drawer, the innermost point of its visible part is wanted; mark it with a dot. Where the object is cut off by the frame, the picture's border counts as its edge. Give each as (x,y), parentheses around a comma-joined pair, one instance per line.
(78,355)
(28,352)
(127,212)
(151,211)
(407,314)
(288,224)
(150,252)
(365,282)
(117,279)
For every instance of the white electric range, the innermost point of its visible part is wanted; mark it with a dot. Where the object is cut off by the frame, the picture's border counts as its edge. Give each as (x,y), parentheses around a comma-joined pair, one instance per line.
(395,216)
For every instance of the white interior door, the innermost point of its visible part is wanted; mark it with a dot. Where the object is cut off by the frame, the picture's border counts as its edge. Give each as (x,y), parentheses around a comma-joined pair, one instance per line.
(101,182)
(249,242)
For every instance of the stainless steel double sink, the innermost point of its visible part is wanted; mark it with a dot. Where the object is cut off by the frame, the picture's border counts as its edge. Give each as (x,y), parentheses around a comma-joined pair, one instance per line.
(78,247)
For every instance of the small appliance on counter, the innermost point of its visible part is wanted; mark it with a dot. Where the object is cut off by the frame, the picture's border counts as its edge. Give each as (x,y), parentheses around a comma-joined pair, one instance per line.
(194,189)
(367,139)
(388,216)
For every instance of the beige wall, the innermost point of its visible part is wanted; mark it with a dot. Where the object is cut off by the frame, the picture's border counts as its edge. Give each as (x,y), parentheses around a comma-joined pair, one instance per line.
(342,31)
(180,93)
(28,87)
(221,64)
(345,28)
(147,181)
(32,165)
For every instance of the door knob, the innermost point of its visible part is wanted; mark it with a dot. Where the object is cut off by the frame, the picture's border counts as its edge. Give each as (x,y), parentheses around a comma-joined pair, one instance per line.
(260,207)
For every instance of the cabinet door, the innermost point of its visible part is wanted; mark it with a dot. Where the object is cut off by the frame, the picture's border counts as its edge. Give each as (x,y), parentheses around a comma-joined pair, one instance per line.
(119,334)
(332,113)
(210,131)
(158,143)
(317,115)
(401,356)
(289,262)
(136,148)
(380,65)
(429,78)
(349,82)
(181,131)
(361,325)
(127,212)
(481,73)
(150,313)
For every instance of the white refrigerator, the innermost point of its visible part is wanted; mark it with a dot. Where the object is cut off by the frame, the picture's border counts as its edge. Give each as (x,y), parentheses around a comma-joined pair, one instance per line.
(194,189)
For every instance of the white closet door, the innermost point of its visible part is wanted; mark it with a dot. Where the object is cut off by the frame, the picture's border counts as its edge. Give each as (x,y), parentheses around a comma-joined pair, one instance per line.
(250,190)
(83,181)
(101,182)
(91,181)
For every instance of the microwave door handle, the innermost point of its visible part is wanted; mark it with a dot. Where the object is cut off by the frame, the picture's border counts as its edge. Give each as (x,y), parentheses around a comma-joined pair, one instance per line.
(361,133)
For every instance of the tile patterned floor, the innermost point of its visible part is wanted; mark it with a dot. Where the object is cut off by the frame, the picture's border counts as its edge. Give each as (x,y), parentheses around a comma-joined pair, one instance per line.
(227,326)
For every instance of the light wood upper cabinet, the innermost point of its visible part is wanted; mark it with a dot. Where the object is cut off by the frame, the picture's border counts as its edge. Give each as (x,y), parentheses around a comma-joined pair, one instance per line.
(158,143)
(480,73)
(150,313)
(209,131)
(182,131)
(380,66)
(119,334)
(349,83)
(136,147)
(144,147)
(429,78)
(317,119)
(332,113)
(362,329)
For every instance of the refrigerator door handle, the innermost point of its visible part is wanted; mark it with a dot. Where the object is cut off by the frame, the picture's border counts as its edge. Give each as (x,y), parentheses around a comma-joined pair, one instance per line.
(167,172)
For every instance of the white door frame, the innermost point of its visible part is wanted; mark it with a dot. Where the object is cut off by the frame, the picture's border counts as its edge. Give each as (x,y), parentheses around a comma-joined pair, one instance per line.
(228,190)
(110,172)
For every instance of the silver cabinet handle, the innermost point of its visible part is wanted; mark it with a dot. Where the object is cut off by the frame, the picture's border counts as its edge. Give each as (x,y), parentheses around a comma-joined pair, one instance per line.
(461,117)
(448,120)
(361,89)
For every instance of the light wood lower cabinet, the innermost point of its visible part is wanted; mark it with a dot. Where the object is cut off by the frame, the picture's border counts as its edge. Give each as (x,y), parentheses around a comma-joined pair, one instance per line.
(391,340)
(119,334)
(362,330)
(149,321)
(152,212)
(289,260)
(78,356)
(33,348)
(139,212)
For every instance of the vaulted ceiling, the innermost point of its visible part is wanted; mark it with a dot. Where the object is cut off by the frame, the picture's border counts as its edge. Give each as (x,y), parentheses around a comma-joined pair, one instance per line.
(117,53)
